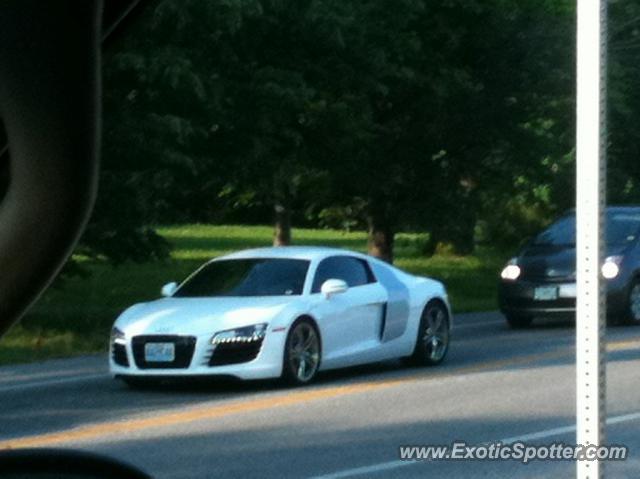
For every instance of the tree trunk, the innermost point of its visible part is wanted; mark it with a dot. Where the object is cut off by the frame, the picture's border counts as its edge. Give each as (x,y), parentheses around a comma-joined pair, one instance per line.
(380,239)
(282,230)
(454,237)
(463,243)
(430,247)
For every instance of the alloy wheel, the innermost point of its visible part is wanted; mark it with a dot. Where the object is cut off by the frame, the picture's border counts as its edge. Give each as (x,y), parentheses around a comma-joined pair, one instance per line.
(304,352)
(435,333)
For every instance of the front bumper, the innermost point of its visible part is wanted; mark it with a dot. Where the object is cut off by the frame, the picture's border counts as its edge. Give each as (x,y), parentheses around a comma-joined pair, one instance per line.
(517,298)
(196,356)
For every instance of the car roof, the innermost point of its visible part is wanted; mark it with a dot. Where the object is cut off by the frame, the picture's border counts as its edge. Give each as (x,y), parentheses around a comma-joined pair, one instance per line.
(293,252)
(613,209)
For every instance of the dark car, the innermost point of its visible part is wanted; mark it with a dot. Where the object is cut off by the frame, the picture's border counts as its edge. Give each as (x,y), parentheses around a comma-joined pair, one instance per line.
(541,280)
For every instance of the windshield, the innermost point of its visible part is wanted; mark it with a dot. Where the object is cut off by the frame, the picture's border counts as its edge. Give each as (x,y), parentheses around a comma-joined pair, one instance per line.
(622,228)
(247,277)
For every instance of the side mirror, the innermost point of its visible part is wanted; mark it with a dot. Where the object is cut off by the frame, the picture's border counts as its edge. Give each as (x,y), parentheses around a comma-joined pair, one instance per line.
(333,286)
(169,288)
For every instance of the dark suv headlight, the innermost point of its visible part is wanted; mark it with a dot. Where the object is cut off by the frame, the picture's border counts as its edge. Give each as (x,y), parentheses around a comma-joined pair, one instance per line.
(611,266)
(511,271)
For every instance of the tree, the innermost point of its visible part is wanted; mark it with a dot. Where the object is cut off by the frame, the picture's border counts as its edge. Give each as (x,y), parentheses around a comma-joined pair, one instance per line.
(399,114)
(624,102)
(4,162)
(456,100)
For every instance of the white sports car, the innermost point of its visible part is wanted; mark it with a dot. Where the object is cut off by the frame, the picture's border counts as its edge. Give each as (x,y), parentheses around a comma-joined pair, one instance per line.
(283,312)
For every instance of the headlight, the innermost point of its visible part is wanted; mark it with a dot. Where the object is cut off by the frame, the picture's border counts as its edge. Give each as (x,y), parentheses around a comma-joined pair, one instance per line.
(246,334)
(511,271)
(611,267)
(117,336)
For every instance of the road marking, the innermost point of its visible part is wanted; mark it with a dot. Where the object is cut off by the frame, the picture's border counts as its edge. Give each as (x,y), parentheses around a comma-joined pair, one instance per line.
(361,471)
(623,345)
(164,419)
(11,374)
(397,464)
(196,414)
(50,382)
(557,431)
(212,412)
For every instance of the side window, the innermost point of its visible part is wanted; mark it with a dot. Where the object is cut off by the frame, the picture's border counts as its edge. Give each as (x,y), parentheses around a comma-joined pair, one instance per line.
(353,271)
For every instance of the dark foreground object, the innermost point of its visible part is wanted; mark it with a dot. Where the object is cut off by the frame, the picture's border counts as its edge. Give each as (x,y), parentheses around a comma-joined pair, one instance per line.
(62,464)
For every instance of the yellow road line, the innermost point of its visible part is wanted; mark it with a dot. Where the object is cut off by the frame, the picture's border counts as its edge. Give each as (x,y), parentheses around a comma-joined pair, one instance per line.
(100,430)
(180,417)
(622,345)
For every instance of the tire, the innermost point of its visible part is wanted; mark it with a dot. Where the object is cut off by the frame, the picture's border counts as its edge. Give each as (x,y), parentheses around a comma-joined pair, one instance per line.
(302,353)
(137,383)
(432,342)
(516,321)
(632,316)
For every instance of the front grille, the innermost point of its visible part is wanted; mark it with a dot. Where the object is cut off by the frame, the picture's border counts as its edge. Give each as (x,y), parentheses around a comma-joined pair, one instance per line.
(546,279)
(519,302)
(119,354)
(520,295)
(184,347)
(235,353)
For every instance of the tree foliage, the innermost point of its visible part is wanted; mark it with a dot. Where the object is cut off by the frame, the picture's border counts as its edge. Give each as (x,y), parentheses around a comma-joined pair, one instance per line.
(453,117)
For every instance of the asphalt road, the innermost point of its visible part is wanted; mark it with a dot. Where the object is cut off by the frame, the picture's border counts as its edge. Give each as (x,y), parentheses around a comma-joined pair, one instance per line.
(496,385)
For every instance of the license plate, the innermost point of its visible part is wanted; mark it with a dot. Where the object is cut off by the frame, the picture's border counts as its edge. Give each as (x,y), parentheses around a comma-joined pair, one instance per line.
(159,352)
(567,290)
(545,293)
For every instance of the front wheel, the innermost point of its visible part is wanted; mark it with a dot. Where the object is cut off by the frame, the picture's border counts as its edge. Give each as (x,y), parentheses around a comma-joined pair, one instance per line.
(518,322)
(134,382)
(633,304)
(432,342)
(301,353)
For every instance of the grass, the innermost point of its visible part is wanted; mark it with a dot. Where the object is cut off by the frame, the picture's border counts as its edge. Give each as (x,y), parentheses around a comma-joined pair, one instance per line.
(75,316)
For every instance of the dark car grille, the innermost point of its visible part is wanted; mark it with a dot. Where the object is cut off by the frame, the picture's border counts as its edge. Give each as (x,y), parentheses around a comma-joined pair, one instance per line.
(555,278)
(520,296)
(545,270)
(184,347)
(119,355)
(234,353)
(565,303)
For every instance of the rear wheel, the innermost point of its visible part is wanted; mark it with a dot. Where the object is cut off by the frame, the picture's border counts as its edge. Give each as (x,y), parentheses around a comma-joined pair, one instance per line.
(432,342)
(517,321)
(301,353)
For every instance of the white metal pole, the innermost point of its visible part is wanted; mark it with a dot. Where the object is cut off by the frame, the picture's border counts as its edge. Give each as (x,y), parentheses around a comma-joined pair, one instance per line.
(590,204)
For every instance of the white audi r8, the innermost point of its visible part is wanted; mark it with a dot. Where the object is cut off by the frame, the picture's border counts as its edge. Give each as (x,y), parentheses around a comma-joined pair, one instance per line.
(284,312)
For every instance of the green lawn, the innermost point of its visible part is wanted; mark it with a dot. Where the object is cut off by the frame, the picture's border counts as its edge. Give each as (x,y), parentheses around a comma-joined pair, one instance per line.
(76,316)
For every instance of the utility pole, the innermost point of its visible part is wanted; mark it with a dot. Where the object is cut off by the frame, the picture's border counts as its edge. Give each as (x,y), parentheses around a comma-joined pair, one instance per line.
(590,230)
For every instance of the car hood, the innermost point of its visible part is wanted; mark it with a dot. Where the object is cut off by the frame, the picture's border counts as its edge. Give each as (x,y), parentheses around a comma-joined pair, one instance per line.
(200,315)
(554,262)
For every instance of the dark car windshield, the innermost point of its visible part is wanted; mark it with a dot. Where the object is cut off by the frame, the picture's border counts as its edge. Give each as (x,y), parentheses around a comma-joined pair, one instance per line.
(622,228)
(247,277)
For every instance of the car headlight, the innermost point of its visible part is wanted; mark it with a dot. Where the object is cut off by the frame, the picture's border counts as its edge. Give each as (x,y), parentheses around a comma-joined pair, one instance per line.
(117,336)
(611,267)
(247,334)
(511,271)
